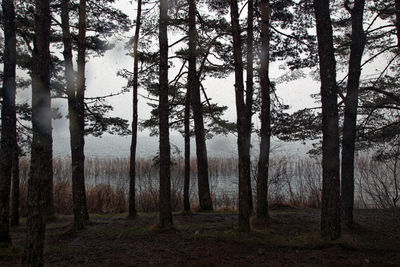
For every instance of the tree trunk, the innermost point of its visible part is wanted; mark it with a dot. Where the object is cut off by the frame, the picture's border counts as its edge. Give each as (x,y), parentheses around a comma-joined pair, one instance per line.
(165,157)
(78,153)
(132,162)
(77,157)
(41,150)
(8,118)
(250,84)
(242,123)
(15,188)
(330,212)
(194,86)
(186,183)
(350,112)
(265,116)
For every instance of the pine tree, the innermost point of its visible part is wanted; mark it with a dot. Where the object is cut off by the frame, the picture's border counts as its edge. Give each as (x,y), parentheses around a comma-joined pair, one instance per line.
(265,116)
(8,118)
(165,157)
(132,162)
(194,87)
(242,123)
(330,213)
(41,151)
(350,113)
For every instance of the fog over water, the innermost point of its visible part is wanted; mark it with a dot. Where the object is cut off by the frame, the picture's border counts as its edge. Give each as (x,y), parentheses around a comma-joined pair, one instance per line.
(147,146)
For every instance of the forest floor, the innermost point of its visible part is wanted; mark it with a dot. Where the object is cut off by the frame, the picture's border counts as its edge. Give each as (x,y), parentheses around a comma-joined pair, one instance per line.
(211,239)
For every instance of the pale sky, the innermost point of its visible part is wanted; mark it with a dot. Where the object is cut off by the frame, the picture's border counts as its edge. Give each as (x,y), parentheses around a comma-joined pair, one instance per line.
(102,79)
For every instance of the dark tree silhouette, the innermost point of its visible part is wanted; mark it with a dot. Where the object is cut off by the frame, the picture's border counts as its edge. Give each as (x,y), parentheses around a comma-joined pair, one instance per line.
(8,118)
(194,87)
(350,112)
(250,85)
(165,156)
(75,93)
(192,40)
(41,149)
(132,162)
(242,123)
(15,203)
(330,212)
(265,116)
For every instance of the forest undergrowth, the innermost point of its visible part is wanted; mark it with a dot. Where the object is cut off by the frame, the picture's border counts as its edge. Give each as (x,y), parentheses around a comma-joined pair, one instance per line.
(290,238)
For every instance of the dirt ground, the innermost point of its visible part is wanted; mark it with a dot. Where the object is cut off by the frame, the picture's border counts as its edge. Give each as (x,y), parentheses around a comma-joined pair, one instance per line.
(211,239)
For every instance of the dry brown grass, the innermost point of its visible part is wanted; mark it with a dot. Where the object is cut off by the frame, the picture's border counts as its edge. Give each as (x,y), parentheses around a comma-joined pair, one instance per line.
(292,182)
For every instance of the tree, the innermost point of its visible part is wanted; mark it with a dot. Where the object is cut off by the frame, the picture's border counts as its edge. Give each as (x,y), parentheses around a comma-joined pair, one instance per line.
(242,123)
(250,83)
(8,118)
(75,95)
(132,162)
(265,116)
(186,182)
(188,99)
(41,149)
(350,113)
(165,157)
(330,212)
(194,88)
(15,187)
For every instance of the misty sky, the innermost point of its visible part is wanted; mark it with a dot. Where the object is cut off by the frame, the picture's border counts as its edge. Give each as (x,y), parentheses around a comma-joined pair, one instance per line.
(102,79)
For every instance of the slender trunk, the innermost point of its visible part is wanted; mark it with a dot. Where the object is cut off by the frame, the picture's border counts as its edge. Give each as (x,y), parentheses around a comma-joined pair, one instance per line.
(186,183)
(242,123)
(41,149)
(194,86)
(8,118)
(77,151)
(250,84)
(73,115)
(265,116)
(165,157)
(15,188)
(330,212)
(132,162)
(350,112)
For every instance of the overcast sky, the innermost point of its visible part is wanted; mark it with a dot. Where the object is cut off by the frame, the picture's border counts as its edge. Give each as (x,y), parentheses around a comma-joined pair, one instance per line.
(102,79)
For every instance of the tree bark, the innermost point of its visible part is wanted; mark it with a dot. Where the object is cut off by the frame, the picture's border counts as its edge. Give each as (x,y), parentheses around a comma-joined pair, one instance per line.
(330,212)
(186,182)
(78,155)
(165,157)
(194,86)
(41,149)
(8,118)
(242,123)
(15,188)
(250,84)
(265,116)
(350,112)
(132,162)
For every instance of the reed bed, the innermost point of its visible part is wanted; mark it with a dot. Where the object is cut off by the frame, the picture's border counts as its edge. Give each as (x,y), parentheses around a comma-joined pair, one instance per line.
(294,182)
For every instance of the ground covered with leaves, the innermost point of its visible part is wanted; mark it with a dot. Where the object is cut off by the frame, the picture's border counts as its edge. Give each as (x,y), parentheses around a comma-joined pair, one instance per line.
(211,239)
